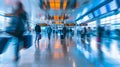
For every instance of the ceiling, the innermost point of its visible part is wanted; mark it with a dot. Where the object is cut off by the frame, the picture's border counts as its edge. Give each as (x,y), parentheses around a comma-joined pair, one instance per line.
(67,10)
(55,10)
(59,10)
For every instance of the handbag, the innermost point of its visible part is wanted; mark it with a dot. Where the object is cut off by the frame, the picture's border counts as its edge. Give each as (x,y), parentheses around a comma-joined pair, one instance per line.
(39,36)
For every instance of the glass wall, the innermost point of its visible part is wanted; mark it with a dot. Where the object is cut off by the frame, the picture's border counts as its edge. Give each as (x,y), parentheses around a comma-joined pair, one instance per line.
(112,21)
(93,26)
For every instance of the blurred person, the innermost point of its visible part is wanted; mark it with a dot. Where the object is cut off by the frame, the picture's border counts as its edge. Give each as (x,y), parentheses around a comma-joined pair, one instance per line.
(64,32)
(108,32)
(88,39)
(17,25)
(100,31)
(83,34)
(49,30)
(63,40)
(38,31)
(89,31)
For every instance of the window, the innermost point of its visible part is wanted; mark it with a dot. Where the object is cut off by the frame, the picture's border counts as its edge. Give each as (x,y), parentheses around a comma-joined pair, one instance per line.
(113,21)
(108,19)
(118,16)
(118,20)
(113,17)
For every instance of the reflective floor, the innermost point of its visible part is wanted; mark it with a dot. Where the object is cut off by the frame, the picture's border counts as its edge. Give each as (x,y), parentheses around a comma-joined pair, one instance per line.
(68,52)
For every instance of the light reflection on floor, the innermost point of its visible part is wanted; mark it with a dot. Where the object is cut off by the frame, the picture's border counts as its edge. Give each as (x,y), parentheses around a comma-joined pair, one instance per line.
(67,52)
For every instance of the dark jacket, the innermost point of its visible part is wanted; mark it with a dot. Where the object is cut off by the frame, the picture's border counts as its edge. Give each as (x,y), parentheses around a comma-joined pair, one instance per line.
(37,28)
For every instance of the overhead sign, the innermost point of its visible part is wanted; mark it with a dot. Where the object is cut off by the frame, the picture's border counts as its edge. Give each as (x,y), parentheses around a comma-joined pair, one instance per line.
(97,12)
(103,10)
(90,16)
(113,5)
(83,24)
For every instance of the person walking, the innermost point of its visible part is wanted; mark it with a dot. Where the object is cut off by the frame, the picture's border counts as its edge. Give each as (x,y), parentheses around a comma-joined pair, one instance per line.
(49,30)
(38,31)
(17,27)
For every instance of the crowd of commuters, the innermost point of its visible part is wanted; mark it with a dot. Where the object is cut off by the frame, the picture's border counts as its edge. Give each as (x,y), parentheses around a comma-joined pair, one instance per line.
(85,34)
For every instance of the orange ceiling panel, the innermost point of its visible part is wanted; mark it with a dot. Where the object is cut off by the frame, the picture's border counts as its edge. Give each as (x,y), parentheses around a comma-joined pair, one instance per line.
(57,4)
(64,4)
(52,4)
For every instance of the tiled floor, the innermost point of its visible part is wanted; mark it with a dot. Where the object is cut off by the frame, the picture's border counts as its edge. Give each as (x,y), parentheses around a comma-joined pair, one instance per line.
(68,52)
